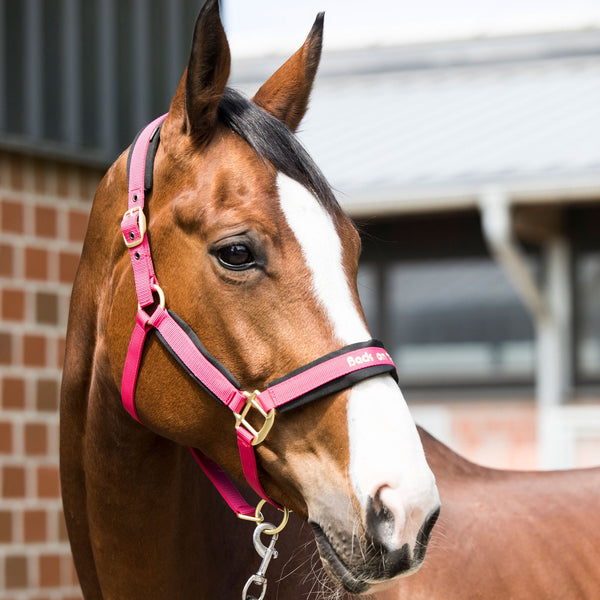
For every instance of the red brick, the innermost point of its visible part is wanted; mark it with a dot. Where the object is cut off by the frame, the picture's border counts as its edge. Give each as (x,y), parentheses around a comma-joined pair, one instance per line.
(48,484)
(5,349)
(6,260)
(39,177)
(67,266)
(11,216)
(34,350)
(36,263)
(6,524)
(13,393)
(49,570)
(88,182)
(35,526)
(36,438)
(62,180)
(78,222)
(13,482)
(46,308)
(47,395)
(6,437)
(69,574)
(45,221)
(91,185)
(17,180)
(13,305)
(15,572)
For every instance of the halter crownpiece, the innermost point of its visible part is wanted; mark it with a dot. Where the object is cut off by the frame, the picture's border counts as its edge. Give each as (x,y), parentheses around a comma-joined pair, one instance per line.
(326,375)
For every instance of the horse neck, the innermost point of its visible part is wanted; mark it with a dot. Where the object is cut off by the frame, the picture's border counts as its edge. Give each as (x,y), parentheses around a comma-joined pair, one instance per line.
(87,373)
(445,463)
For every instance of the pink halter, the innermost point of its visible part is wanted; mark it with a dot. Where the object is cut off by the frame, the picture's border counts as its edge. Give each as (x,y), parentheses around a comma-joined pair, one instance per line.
(326,375)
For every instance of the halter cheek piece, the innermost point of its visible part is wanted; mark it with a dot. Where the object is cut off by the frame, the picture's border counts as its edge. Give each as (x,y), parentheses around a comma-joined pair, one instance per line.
(326,375)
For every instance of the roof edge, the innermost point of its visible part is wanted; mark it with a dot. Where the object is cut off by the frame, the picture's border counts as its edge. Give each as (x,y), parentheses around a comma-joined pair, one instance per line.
(448,198)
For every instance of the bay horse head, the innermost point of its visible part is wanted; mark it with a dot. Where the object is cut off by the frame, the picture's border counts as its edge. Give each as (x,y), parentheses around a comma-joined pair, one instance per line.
(257,264)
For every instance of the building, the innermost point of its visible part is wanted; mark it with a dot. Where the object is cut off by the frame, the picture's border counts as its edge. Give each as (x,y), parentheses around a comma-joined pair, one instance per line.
(473,170)
(78,78)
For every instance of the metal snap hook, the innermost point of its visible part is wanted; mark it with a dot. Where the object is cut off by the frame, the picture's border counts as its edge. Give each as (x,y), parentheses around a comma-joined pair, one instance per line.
(260,581)
(267,553)
(260,548)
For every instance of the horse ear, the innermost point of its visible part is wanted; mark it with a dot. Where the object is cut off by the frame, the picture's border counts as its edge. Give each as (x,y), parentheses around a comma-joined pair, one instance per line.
(206,75)
(285,95)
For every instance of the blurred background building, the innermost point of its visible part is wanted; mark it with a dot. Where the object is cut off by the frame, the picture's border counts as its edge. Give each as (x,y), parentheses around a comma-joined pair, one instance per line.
(78,79)
(463,139)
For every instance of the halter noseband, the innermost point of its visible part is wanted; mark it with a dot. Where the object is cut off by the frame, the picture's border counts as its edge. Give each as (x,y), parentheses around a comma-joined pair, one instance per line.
(326,375)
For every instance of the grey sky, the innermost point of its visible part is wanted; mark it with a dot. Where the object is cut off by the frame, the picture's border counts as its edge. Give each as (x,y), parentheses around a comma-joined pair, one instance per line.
(275,26)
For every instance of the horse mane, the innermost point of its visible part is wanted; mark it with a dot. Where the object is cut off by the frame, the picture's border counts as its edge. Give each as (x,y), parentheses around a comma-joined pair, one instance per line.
(273,141)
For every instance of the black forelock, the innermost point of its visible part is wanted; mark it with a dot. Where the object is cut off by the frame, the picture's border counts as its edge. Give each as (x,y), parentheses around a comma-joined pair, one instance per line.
(272,140)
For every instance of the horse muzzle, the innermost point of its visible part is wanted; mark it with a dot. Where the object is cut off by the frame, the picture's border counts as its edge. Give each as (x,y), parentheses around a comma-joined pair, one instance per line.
(362,561)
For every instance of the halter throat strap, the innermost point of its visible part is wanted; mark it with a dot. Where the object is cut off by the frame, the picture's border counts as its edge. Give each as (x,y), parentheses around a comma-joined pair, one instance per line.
(326,375)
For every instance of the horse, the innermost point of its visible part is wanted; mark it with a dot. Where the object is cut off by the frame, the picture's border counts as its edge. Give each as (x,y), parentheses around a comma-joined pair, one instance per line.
(508,534)
(501,534)
(216,262)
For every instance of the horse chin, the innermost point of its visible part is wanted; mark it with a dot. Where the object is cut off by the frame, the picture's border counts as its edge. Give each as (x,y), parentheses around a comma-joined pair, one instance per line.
(377,573)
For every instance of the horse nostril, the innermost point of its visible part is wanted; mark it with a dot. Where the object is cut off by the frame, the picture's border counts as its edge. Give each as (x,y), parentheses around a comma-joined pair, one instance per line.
(425,534)
(392,521)
(379,519)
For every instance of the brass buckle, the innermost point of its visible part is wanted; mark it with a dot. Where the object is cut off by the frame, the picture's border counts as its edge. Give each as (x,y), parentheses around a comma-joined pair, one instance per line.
(240,418)
(141,220)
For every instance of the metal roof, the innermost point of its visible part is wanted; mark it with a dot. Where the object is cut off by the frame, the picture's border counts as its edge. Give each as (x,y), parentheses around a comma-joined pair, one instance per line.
(429,127)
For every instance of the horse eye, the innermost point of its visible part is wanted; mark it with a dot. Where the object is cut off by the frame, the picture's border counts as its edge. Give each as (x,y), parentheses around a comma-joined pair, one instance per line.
(236,257)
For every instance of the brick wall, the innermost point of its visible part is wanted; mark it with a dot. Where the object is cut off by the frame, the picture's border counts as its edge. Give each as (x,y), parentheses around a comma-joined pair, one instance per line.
(498,433)
(515,433)
(44,206)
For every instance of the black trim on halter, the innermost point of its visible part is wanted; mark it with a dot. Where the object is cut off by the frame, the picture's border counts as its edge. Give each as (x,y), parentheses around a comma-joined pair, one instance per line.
(339,384)
(332,387)
(196,341)
(150,156)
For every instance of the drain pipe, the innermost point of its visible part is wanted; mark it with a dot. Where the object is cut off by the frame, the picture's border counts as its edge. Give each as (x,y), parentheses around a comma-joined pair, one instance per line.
(549,305)
(497,227)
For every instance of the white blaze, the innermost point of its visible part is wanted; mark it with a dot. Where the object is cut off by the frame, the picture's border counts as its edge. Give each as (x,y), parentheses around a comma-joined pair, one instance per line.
(386,456)
(385,449)
(322,252)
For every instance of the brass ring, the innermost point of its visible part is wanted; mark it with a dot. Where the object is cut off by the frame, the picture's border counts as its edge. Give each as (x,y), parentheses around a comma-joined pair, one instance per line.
(161,296)
(284,520)
(257,518)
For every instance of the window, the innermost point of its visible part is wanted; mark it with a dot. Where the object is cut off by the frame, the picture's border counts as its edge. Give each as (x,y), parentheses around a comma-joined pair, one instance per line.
(450,321)
(588,315)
